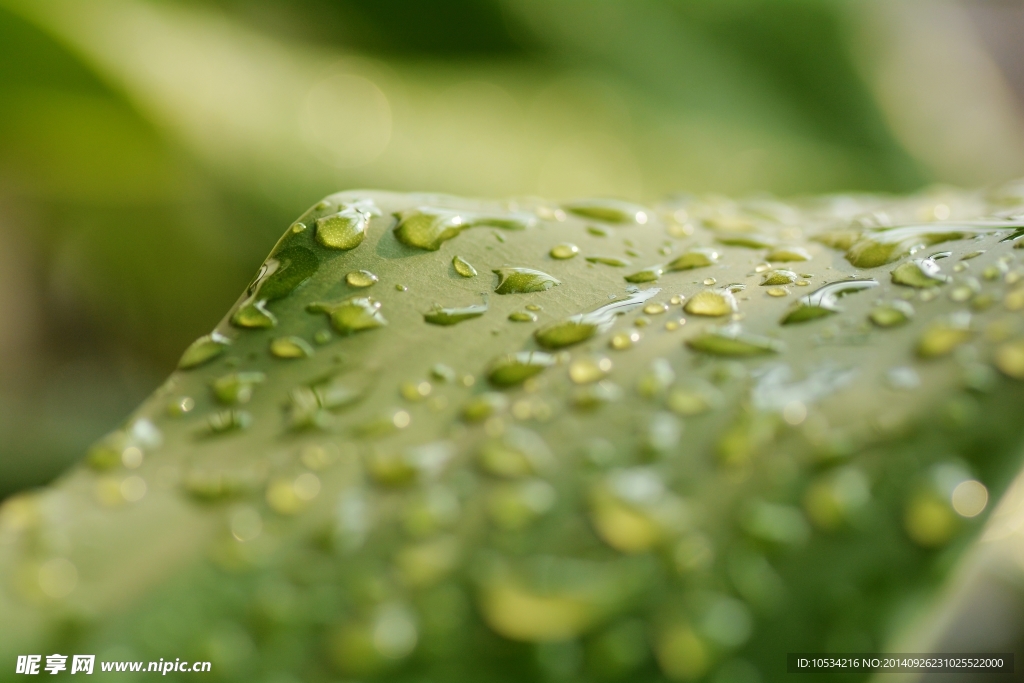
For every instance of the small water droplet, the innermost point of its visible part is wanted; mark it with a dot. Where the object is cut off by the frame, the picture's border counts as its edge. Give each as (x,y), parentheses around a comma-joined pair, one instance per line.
(622,341)
(415,391)
(463,267)
(598,231)
(513,280)
(711,302)
(655,308)
(355,314)
(595,395)
(401,288)
(613,261)
(253,315)
(533,307)
(522,317)
(919,273)
(237,387)
(361,278)
(777,291)
(516,368)
(203,350)
(484,406)
(565,250)
(228,420)
(298,227)
(181,406)
(322,337)
(589,369)
(745,239)
(291,347)
(945,335)
(891,313)
(802,283)
(710,281)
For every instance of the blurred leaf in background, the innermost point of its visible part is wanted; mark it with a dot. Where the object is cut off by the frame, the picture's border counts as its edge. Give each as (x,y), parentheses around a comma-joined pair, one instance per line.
(150,151)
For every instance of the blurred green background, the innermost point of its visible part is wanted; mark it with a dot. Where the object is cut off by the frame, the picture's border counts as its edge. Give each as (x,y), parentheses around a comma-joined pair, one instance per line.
(151,151)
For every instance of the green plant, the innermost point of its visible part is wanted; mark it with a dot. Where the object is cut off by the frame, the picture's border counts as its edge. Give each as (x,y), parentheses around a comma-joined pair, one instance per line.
(464,440)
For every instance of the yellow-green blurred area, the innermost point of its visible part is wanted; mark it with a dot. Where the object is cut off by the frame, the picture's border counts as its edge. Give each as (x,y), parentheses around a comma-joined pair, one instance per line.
(152,151)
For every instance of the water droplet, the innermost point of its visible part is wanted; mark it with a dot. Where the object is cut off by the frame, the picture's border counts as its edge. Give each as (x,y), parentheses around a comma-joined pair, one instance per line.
(361,278)
(649,274)
(710,281)
(515,454)
(427,227)
(355,314)
(515,505)
(484,406)
(415,391)
(945,335)
(609,210)
(745,239)
(822,302)
(253,315)
(516,368)
(522,280)
(290,347)
(203,350)
(622,341)
(655,309)
(589,369)
(919,273)
(834,499)
(969,498)
(656,379)
(583,326)
(595,395)
(237,387)
(401,288)
(1009,359)
(463,267)
(599,231)
(731,340)
(711,302)
(533,307)
(322,337)
(522,317)
(777,291)
(228,420)
(778,278)
(632,510)
(802,283)
(695,397)
(346,229)
(878,246)
(613,261)
(451,316)
(282,273)
(181,406)
(891,313)
(565,250)
(787,254)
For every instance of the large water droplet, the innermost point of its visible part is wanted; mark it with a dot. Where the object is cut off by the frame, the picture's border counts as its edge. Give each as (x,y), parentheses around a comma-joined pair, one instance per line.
(450,316)
(203,350)
(282,273)
(565,250)
(463,267)
(290,347)
(352,315)
(878,246)
(516,368)
(694,258)
(253,315)
(823,301)
(583,326)
(428,227)
(919,273)
(522,280)
(732,340)
(609,211)
(361,278)
(346,229)
(711,302)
